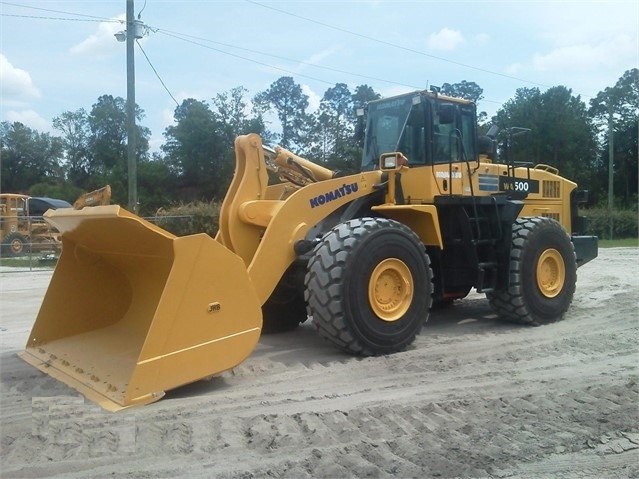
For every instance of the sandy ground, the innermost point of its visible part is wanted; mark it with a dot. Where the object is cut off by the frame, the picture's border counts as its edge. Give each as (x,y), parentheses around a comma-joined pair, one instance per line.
(473,397)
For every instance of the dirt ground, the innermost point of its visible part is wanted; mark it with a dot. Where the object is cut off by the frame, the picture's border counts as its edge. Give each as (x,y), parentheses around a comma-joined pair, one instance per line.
(474,397)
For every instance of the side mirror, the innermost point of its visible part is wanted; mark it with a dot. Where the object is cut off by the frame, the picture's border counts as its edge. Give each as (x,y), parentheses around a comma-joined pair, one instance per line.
(492,132)
(359,127)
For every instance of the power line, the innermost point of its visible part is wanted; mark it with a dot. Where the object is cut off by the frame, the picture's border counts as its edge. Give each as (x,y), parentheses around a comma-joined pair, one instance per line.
(394,45)
(190,39)
(156,73)
(186,38)
(140,12)
(241,57)
(53,11)
(35,17)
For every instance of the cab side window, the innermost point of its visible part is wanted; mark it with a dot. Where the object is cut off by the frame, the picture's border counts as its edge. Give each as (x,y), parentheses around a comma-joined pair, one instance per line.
(412,142)
(444,142)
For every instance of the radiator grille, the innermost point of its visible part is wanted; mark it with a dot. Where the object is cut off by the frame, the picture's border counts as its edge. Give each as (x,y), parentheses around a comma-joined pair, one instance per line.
(551,189)
(554,216)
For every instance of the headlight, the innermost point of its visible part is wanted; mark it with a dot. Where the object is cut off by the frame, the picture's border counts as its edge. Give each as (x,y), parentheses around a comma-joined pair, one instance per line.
(389,162)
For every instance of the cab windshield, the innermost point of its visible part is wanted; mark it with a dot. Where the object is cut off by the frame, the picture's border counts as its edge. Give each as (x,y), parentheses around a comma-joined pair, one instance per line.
(385,124)
(426,130)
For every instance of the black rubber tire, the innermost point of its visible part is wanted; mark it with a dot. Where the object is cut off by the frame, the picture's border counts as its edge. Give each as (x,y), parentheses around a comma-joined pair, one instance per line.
(15,244)
(525,300)
(337,286)
(284,311)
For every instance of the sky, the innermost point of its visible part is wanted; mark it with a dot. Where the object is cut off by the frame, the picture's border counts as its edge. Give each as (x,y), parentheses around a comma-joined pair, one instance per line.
(58,56)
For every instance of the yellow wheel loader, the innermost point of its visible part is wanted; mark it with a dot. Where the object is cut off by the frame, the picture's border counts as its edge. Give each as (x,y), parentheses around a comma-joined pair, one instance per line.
(22,229)
(132,310)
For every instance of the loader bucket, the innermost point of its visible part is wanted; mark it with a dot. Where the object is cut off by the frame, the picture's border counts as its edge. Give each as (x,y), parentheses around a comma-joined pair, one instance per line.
(133,310)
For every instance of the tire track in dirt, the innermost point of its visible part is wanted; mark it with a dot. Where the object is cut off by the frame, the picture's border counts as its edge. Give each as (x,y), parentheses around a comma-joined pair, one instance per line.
(474,397)
(413,439)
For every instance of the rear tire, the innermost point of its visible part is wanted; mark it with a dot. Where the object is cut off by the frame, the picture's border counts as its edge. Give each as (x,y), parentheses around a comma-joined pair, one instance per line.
(369,286)
(15,244)
(543,273)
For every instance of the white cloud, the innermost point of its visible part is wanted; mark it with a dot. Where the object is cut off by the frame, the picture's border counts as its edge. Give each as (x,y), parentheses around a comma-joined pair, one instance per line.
(574,63)
(16,86)
(591,22)
(29,118)
(445,40)
(102,42)
(585,57)
(316,58)
(313,98)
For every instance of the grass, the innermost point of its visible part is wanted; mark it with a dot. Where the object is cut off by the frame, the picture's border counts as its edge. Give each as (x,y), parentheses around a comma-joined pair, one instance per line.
(34,261)
(27,262)
(619,243)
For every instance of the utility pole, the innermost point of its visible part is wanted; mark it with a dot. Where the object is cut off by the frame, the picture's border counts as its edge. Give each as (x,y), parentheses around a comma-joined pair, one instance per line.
(131,29)
(134,30)
(611,162)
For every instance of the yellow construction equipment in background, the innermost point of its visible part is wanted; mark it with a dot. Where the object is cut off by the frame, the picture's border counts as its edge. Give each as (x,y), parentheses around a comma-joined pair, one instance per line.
(132,310)
(22,229)
(99,197)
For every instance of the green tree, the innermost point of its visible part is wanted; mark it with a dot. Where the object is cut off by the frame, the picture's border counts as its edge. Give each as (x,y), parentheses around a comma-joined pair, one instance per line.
(363,94)
(559,131)
(337,105)
(108,145)
(337,140)
(157,185)
(290,103)
(469,91)
(198,151)
(620,106)
(107,124)
(28,158)
(74,127)
(232,112)
(61,190)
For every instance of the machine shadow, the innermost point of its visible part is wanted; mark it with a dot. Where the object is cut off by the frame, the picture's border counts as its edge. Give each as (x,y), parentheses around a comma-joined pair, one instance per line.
(304,347)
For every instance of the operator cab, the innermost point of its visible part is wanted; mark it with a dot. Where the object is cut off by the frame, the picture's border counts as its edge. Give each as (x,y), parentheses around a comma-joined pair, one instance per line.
(426,127)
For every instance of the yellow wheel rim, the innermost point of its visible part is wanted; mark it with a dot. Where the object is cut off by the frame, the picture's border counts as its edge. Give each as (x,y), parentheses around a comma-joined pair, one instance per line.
(390,289)
(16,246)
(551,273)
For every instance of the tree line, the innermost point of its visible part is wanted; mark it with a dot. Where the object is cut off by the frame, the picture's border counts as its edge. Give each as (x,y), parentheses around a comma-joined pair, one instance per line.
(196,160)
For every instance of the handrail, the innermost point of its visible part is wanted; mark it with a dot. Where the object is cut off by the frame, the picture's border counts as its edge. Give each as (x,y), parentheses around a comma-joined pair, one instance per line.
(548,168)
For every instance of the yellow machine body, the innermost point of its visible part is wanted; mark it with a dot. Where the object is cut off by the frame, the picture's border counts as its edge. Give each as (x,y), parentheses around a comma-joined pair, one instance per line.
(421,186)
(133,311)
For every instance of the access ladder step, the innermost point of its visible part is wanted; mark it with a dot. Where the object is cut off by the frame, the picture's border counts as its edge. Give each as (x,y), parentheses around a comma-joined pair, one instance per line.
(487,279)
(491,241)
(488,265)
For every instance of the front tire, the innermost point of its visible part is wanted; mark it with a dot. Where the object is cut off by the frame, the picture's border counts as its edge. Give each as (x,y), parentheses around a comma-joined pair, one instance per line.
(543,273)
(369,286)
